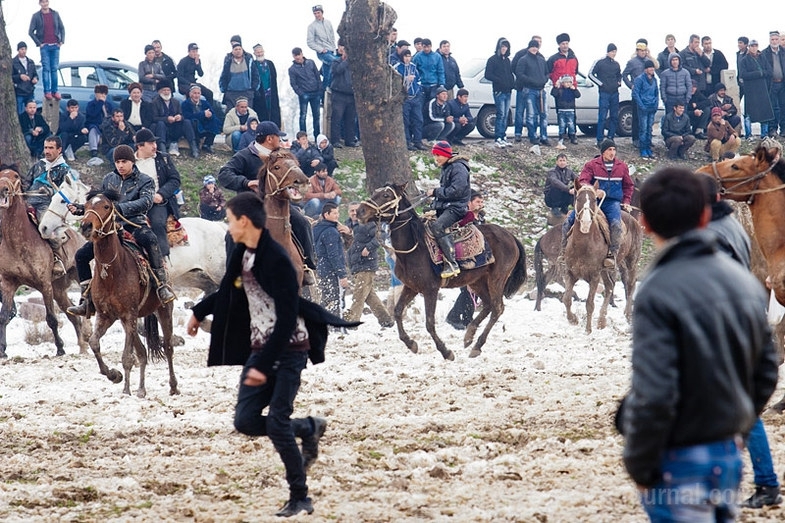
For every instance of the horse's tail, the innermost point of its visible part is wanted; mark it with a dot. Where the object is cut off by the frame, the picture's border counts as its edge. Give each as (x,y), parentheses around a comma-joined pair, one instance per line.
(539,273)
(155,349)
(518,275)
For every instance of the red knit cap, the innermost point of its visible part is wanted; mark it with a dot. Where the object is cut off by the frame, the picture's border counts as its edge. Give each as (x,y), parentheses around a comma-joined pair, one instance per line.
(442,149)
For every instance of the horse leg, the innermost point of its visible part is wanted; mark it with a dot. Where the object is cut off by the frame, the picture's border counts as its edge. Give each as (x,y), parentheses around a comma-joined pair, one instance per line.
(407,295)
(593,284)
(83,327)
(165,319)
(471,329)
(607,294)
(7,312)
(133,351)
(430,324)
(496,310)
(569,283)
(103,323)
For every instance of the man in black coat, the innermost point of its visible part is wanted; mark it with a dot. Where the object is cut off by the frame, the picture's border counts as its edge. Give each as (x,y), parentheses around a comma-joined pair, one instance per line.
(24,76)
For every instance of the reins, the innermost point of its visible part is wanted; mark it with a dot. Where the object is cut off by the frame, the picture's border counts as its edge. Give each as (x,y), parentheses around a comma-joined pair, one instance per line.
(383,211)
(757,177)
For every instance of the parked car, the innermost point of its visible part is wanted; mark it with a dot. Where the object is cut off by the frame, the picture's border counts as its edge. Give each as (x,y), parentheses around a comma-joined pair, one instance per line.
(484,110)
(76,80)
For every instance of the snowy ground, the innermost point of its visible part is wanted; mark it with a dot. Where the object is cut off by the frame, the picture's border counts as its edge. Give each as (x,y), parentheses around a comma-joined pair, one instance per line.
(522,433)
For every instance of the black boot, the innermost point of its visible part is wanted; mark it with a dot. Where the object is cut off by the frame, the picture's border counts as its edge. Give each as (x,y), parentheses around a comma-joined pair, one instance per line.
(165,293)
(615,232)
(450,267)
(85,304)
(565,230)
(194,150)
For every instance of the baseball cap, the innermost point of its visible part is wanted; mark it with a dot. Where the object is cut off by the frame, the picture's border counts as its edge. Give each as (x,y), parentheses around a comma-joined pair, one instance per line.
(193,47)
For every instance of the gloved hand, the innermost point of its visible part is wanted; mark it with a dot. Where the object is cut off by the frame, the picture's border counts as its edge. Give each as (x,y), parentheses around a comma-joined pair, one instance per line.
(627,207)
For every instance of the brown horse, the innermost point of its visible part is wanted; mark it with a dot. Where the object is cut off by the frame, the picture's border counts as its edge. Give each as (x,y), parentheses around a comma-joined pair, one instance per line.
(586,250)
(414,268)
(280,176)
(26,259)
(120,291)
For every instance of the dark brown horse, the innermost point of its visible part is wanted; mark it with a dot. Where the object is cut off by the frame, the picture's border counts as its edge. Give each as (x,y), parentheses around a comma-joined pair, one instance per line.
(121,291)
(281,176)
(586,250)
(26,259)
(413,267)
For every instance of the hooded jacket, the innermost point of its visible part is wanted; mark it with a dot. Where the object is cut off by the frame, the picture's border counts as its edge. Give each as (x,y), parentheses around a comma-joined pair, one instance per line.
(498,69)
(531,72)
(675,85)
(431,67)
(454,189)
(560,65)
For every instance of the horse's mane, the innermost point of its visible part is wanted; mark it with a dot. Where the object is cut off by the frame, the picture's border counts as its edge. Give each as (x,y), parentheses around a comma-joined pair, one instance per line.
(111,194)
(779,169)
(10,167)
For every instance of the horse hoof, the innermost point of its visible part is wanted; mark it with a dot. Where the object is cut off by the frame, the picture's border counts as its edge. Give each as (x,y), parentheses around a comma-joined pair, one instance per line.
(141,393)
(449,355)
(174,392)
(413,347)
(115,376)
(573,321)
(60,352)
(474,353)
(177,341)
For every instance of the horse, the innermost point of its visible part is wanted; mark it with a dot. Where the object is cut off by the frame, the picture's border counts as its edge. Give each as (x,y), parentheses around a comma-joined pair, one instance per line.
(587,249)
(121,289)
(26,259)
(280,176)
(54,223)
(414,268)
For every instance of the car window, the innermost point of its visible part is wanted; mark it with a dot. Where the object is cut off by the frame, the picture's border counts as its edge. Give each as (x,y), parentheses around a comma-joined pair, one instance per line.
(119,77)
(84,76)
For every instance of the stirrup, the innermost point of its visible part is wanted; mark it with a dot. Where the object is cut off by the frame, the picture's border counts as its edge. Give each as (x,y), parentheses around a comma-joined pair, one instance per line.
(165,294)
(309,278)
(449,270)
(58,269)
(609,262)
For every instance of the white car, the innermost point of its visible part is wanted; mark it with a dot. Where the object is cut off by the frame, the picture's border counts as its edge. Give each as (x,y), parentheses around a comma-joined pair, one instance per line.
(484,110)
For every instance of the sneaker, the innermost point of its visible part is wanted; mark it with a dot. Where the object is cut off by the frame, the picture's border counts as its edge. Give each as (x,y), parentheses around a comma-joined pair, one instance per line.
(294,507)
(337,145)
(506,143)
(560,146)
(311,443)
(764,496)
(574,140)
(174,149)
(518,139)
(420,147)
(501,143)
(95,161)
(545,142)
(69,154)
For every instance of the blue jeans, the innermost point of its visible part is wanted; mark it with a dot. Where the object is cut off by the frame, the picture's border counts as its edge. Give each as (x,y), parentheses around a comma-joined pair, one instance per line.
(313,100)
(760,456)
(609,108)
(520,109)
(645,123)
(313,207)
(611,209)
(700,484)
(327,63)
(21,101)
(50,60)
(412,118)
(566,123)
(536,113)
(236,136)
(279,393)
(502,102)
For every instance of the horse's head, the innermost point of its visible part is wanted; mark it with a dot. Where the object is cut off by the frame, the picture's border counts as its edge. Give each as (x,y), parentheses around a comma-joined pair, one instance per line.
(10,185)
(52,225)
(99,216)
(742,177)
(585,207)
(384,204)
(282,176)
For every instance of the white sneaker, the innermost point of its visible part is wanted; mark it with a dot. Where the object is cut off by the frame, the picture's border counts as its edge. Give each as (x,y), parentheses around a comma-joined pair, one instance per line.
(69,154)
(174,149)
(94,161)
(505,143)
(501,143)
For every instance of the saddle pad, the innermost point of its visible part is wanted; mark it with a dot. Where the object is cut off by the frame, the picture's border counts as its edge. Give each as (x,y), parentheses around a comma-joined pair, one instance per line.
(471,248)
(175,232)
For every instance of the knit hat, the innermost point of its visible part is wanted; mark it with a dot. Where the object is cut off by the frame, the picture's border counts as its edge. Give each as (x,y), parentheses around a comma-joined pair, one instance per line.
(647,64)
(21,45)
(123,152)
(607,144)
(440,89)
(236,40)
(533,43)
(162,84)
(564,37)
(719,86)
(716,110)
(208,179)
(442,149)
(611,47)
(144,135)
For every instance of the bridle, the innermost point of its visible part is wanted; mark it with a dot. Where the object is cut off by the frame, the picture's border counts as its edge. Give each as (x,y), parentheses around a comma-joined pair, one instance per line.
(391,210)
(756,178)
(594,213)
(278,188)
(14,187)
(110,218)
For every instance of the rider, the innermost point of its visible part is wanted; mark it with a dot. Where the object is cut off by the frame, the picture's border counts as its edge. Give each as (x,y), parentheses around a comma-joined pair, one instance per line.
(615,192)
(450,200)
(45,177)
(136,197)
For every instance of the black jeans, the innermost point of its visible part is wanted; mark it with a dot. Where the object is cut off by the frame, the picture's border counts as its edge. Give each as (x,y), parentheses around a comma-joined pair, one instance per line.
(278,393)
(463,310)
(301,228)
(143,236)
(157,216)
(344,113)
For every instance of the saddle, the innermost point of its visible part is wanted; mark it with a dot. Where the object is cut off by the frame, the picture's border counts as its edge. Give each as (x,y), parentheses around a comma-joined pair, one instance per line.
(142,264)
(471,247)
(175,232)
(604,225)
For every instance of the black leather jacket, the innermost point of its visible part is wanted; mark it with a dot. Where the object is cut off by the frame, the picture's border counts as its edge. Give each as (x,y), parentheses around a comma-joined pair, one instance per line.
(703,359)
(136,194)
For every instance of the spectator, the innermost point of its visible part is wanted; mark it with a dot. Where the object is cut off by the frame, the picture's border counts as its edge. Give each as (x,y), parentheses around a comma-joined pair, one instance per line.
(48,33)
(675,83)
(72,130)
(698,108)
(327,153)
(743,43)
(321,190)
(696,62)
(565,93)
(645,95)
(717,64)
(774,56)
(212,204)
(677,132)
(363,263)
(729,111)
(412,106)
(249,136)
(321,39)
(697,386)
(307,153)
(188,68)
(439,123)
(756,74)
(24,76)
(392,49)
(265,99)
(461,117)
(331,263)
(138,113)
(169,123)
(150,74)
(721,138)
(531,75)
(560,189)
(239,77)
(564,61)
(114,131)
(452,73)
(344,110)
(396,56)
(606,73)
(305,81)
(236,121)
(663,59)
(167,64)
(34,129)
(633,70)
(431,68)
(99,109)
(498,71)
(205,122)
(417,44)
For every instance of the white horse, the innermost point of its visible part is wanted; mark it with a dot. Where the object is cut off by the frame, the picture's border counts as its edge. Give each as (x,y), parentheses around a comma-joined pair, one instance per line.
(52,225)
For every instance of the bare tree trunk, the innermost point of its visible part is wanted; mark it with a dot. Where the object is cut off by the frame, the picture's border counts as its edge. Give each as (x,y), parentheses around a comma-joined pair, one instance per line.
(13,148)
(378,92)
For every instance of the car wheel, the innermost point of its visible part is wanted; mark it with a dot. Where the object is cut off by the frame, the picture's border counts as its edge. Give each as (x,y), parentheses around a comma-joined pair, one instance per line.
(486,121)
(625,121)
(588,130)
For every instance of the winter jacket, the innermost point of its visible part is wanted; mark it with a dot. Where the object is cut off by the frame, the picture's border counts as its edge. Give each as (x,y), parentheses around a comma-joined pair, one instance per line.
(232,120)
(756,73)
(606,73)
(45,177)
(187,71)
(162,111)
(431,67)
(457,109)
(633,70)
(364,237)
(304,78)
(645,92)
(330,262)
(242,167)
(146,113)
(193,112)
(617,184)
(327,154)
(112,136)
(168,182)
(560,65)
(722,132)
(22,88)
(413,87)
(531,72)
(561,180)
(718,64)
(499,70)
(436,112)
(673,125)
(153,68)
(692,62)
(769,56)
(36,30)
(454,189)
(317,191)
(136,195)
(321,36)
(716,101)
(27,124)
(703,360)
(305,156)
(94,112)
(675,85)
(565,98)
(342,78)
(452,73)
(68,125)
(663,59)
(168,67)
(247,81)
